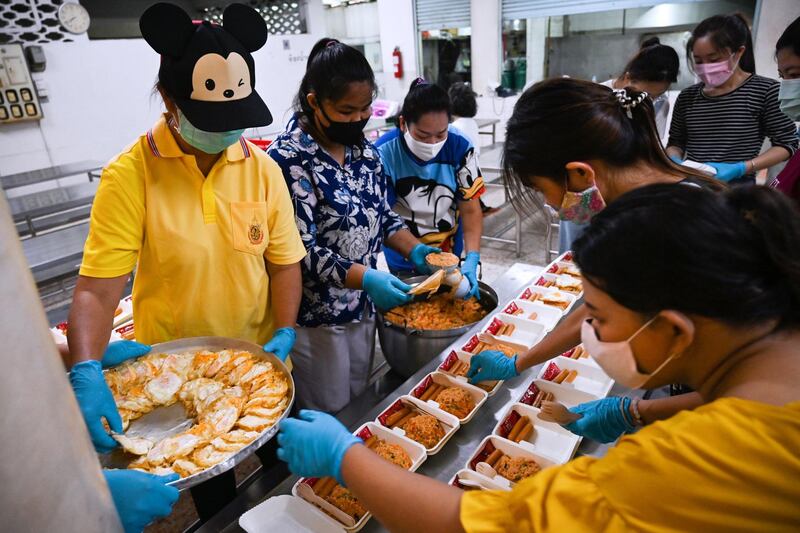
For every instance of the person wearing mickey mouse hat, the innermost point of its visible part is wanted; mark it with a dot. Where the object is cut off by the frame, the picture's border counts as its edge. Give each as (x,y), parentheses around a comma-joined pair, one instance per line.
(202,214)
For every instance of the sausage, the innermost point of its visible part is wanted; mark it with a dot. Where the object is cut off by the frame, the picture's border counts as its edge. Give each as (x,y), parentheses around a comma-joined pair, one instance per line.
(370,442)
(561,376)
(392,419)
(526,431)
(428,392)
(510,330)
(571,376)
(438,389)
(403,421)
(512,435)
(324,486)
(537,400)
(493,458)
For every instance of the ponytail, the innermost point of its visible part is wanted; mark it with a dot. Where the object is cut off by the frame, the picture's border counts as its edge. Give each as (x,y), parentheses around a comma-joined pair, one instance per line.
(732,256)
(726,32)
(655,62)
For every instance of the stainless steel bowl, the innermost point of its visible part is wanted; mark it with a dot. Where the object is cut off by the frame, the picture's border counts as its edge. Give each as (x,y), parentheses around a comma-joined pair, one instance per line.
(407,349)
(167,421)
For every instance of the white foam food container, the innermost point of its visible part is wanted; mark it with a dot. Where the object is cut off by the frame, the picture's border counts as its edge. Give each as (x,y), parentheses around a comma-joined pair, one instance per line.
(287,514)
(470,476)
(478,395)
(526,332)
(566,257)
(590,379)
(584,358)
(456,356)
(566,268)
(471,346)
(548,438)
(565,395)
(560,300)
(492,442)
(416,452)
(569,284)
(449,423)
(545,315)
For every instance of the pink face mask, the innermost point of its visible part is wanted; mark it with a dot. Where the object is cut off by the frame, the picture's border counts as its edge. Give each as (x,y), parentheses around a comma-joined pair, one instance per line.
(715,74)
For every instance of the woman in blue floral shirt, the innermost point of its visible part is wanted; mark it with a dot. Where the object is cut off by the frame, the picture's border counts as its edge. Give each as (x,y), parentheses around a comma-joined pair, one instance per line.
(339,189)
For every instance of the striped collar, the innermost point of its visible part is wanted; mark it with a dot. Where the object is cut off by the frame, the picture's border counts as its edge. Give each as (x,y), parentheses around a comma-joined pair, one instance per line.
(162,143)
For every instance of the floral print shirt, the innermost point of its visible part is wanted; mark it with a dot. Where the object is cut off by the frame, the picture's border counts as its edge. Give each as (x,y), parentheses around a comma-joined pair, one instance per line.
(343,216)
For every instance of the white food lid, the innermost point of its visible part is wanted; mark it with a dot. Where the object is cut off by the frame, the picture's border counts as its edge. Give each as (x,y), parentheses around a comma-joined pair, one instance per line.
(287,514)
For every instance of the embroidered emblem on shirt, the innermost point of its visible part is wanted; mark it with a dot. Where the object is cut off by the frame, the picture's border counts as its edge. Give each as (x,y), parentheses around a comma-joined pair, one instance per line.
(254,232)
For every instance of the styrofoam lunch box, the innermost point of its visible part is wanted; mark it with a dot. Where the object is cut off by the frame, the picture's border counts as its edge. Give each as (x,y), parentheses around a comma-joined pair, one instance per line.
(585,359)
(478,395)
(464,357)
(561,281)
(416,452)
(566,257)
(470,475)
(590,378)
(566,268)
(526,332)
(568,299)
(449,423)
(287,514)
(546,315)
(492,442)
(565,395)
(548,438)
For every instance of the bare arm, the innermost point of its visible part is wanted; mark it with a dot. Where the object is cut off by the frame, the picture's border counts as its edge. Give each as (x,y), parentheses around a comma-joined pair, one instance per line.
(402,242)
(402,501)
(286,288)
(663,408)
(771,157)
(92,316)
(472,219)
(565,336)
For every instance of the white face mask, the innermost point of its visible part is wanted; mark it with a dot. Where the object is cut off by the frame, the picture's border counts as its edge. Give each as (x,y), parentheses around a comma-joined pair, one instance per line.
(616,358)
(424,151)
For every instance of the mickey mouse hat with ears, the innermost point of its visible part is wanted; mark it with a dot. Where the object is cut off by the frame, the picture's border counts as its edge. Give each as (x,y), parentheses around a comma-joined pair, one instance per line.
(207,68)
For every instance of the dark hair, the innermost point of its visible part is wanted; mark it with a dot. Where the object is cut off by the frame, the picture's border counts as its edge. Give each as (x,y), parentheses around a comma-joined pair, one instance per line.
(424,97)
(726,31)
(732,256)
(654,62)
(332,66)
(462,98)
(563,119)
(790,38)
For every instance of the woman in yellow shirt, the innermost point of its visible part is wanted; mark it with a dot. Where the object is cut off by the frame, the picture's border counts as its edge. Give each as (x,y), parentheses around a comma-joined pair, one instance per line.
(203,215)
(682,285)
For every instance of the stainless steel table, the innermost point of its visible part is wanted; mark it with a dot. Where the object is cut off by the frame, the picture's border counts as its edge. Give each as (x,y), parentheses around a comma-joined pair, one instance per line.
(458,450)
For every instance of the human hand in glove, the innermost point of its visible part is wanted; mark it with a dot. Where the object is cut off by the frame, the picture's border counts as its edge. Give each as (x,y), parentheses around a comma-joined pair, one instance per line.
(729,171)
(469,268)
(603,420)
(281,343)
(314,444)
(385,289)
(491,365)
(418,255)
(140,497)
(96,402)
(120,351)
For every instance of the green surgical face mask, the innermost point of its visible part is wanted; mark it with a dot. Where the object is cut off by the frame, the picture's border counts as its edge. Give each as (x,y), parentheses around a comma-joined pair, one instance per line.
(210,142)
(789,98)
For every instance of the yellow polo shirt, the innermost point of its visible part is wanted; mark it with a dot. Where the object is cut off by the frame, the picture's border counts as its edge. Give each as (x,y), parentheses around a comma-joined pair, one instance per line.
(200,242)
(729,466)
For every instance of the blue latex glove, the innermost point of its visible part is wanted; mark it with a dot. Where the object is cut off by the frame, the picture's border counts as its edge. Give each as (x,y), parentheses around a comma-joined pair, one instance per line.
(491,365)
(469,267)
(418,255)
(281,343)
(314,444)
(385,290)
(120,351)
(603,420)
(96,402)
(729,171)
(677,160)
(140,497)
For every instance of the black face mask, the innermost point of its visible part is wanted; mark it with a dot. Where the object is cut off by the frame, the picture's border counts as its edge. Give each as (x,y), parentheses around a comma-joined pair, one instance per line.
(347,133)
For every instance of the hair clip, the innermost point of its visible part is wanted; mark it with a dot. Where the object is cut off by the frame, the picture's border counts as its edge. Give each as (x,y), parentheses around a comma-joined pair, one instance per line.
(420,81)
(627,102)
(330,43)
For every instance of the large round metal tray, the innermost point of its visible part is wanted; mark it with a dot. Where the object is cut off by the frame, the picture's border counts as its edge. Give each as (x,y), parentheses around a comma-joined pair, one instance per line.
(166,421)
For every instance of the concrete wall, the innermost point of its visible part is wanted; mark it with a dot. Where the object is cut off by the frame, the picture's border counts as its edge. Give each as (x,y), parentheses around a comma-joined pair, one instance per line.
(486,43)
(773,18)
(397,29)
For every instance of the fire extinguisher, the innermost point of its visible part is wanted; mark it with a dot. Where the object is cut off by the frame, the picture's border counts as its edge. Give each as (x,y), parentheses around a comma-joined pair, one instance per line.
(397,62)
